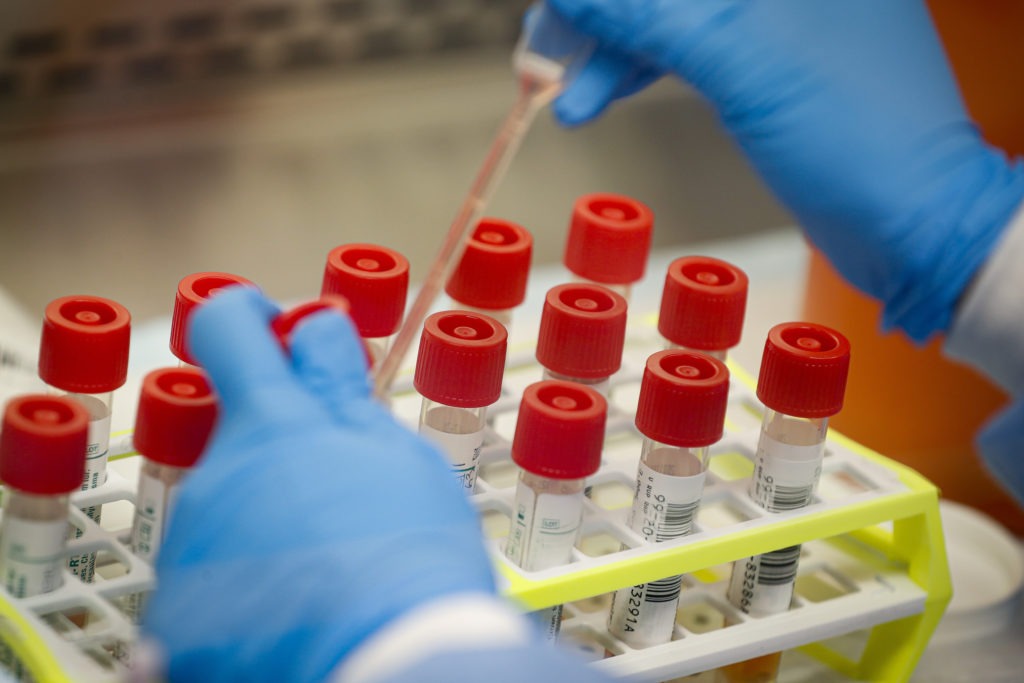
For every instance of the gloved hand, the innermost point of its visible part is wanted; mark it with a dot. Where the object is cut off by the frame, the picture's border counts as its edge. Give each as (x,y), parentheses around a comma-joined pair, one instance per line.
(849,112)
(312,520)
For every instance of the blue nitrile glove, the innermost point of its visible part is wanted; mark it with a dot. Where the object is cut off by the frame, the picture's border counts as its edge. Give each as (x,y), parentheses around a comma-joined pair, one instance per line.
(313,519)
(850,113)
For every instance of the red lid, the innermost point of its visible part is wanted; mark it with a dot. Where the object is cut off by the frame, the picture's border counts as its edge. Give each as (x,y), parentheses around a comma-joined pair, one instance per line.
(284,324)
(560,430)
(375,281)
(682,399)
(609,239)
(582,331)
(42,444)
(803,370)
(177,409)
(193,290)
(84,346)
(494,267)
(703,303)
(461,359)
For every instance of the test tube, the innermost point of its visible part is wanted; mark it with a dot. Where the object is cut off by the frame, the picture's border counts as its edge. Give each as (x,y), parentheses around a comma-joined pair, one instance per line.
(609,241)
(285,323)
(83,353)
(492,275)
(375,281)
(702,305)
(42,456)
(681,413)
(193,290)
(557,445)
(582,333)
(458,372)
(802,381)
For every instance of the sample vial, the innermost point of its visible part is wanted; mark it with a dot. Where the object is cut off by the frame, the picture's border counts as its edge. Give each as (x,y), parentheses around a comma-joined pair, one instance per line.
(582,333)
(491,277)
(557,444)
(83,353)
(683,396)
(284,324)
(458,372)
(42,456)
(193,290)
(802,381)
(375,280)
(609,241)
(702,305)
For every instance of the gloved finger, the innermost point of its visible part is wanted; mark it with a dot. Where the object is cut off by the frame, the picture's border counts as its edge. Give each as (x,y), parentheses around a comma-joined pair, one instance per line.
(330,360)
(607,76)
(230,337)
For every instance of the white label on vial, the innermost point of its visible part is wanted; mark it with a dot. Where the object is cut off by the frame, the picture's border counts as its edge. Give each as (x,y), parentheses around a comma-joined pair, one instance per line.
(31,555)
(663,508)
(785,476)
(763,585)
(462,450)
(544,528)
(548,621)
(152,506)
(84,565)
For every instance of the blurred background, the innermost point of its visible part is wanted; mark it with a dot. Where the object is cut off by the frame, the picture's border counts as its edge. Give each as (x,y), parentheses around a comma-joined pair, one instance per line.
(141,141)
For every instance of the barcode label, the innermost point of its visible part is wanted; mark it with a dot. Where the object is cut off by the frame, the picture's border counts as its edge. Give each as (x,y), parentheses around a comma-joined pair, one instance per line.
(785,476)
(763,585)
(779,567)
(664,505)
(664,590)
(644,615)
(678,521)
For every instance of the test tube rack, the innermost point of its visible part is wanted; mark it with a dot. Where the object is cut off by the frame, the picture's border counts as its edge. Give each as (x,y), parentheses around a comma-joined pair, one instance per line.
(873,559)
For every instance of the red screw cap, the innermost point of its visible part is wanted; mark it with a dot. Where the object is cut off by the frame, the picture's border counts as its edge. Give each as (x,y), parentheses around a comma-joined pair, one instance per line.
(703,303)
(494,268)
(609,239)
(804,370)
(682,399)
(283,325)
(42,444)
(84,347)
(177,410)
(560,430)
(461,359)
(582,331)
(375,280)
(193,290)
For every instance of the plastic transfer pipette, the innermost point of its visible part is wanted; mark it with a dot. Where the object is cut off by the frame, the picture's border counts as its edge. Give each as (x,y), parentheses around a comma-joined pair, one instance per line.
(548,54)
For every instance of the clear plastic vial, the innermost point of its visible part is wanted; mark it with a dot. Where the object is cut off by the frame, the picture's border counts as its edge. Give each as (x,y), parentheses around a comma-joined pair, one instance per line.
(703,303)
(83,353)
(609,241)
(683,397)
(582,334)
(802,382)
(42,456)
(459,369)
(375,281)
(557,444)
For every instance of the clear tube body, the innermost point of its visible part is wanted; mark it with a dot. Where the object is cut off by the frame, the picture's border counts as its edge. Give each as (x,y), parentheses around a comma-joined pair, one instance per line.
(786,472)
(598,384)
(720,354)
(459,432)
(377,347)
(96,454)
(33,540)
(669,486)
(533,546)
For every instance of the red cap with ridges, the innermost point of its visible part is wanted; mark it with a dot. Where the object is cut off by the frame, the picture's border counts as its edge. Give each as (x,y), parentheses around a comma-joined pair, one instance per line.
(84,346)
(177,410)
(375,280)
(682,399)
(284,324)
(582,331)
(703,303)
(193,290)
(804,370)
(609,239)
(42,444)
(461,359)
(560,430)
(494,268)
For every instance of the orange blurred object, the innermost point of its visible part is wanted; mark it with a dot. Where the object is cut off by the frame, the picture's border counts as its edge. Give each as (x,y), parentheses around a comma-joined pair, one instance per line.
(909,402)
